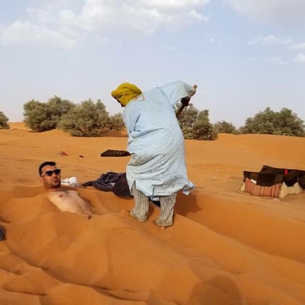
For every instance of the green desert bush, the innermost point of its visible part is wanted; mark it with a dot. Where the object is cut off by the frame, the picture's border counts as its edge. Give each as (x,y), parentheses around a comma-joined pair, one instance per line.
(45,116)
(4,121)
(87,119)
(284,122)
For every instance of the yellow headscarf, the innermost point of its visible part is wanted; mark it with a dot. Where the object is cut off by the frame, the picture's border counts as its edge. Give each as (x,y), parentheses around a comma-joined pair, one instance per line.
(125,93)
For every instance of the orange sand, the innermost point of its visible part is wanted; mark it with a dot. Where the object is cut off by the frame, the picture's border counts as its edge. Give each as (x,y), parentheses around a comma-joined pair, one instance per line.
(225,247)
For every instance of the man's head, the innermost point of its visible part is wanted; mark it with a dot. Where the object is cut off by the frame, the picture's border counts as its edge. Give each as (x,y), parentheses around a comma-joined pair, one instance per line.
(49,175)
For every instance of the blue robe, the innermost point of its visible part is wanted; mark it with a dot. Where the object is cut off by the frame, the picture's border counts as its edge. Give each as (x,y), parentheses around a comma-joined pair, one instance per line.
(156,142)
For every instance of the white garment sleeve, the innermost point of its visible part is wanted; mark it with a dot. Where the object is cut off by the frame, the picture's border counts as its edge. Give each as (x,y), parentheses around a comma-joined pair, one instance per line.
(175,91)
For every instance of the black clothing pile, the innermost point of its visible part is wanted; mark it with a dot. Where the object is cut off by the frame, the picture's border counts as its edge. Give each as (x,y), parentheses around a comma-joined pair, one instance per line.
(111,182)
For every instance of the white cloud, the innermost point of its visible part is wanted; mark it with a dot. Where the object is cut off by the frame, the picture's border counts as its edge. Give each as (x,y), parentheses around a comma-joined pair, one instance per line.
(196,16)
(26,33)
(270,40)
(271,11)
(173,4)
(63,23)
(297,46)
(300,58)
(140,15)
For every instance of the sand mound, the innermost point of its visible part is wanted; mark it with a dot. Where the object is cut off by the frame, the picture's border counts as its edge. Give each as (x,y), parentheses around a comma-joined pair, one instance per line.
(225,247)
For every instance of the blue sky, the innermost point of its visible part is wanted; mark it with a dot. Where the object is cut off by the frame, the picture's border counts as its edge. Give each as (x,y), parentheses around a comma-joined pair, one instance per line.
(244,55)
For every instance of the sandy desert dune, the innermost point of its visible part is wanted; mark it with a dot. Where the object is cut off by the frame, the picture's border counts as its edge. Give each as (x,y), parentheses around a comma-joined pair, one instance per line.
(225,247)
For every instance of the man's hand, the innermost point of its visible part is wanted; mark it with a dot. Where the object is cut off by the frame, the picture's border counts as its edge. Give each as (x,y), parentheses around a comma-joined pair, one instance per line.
(185,101)
(195,87)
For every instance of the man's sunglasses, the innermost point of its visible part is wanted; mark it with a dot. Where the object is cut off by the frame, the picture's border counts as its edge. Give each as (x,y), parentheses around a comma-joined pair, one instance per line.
(50,173)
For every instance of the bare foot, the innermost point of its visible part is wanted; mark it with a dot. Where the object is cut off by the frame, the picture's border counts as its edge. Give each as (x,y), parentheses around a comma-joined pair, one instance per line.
(129,213)
(160,227)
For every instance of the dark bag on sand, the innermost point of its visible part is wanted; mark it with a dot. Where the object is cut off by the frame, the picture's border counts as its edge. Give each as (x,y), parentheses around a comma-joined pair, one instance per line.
(121,188)
(115,153)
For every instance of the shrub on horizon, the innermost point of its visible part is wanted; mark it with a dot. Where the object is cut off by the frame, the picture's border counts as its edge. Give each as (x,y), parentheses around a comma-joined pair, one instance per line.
(45,116)
(87,119)
(4,121)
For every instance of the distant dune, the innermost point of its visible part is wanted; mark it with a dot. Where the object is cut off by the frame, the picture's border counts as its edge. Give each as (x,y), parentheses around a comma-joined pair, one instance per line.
(225,247)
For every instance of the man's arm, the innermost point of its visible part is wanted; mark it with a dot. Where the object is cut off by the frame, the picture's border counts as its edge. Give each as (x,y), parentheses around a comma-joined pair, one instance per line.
(186,101)
(175,91)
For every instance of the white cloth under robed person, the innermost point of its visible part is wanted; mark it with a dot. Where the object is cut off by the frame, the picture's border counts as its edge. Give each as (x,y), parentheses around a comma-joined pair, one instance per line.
(156,142)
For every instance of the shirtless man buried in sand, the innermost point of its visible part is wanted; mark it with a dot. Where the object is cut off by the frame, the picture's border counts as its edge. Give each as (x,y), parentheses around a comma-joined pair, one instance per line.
(65,200)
